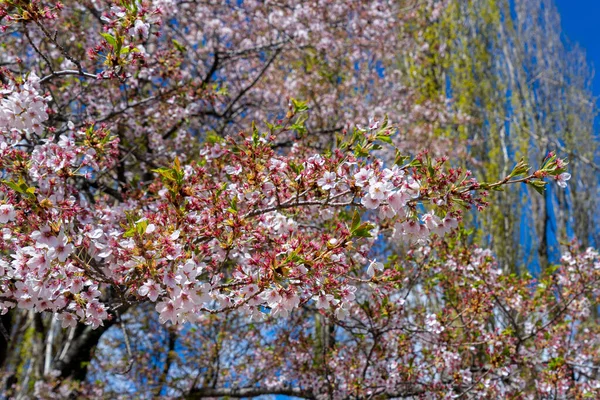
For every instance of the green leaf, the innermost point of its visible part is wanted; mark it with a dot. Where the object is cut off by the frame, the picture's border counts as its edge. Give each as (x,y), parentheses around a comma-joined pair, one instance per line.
(384,138)
(360,151)
(415,163)
(539,186)
(233,203)
(520,169)
(212,137)
(110,39)
(129,233)
(166,173)
(13,185)
(181,48)
(400,159)
(297,168)
(255,134)
(299,106)
(364,230)
(141,226)
(298,125)
(556,363)
(21,187)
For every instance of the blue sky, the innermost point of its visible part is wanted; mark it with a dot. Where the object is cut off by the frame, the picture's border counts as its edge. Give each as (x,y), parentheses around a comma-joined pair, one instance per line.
(581,23)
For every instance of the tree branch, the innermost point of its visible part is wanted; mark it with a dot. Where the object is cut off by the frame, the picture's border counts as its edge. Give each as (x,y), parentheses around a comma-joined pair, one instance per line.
(68,72)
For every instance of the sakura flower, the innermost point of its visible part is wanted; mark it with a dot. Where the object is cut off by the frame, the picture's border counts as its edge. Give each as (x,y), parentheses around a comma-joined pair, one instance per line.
(397,200)
(118,11)
(63,249)
(373,123)
(25,301)
(150,289)
(450,223)
(7,213)
(191,270)
(140,29)
(277,165)
(200,293)
(184,300)
(95,234)
(279,310)
(412,187)
(561,180)
(362,177)
(341,312)
(167,311)
(322,300)
(105,251)
(250,290)
(390,174)
(96,309)
(233,170)
(170,279)
(327,181)
(415,230)
(91,293)
(379,190)
(433,325)
(300,269)
(268,188)
(431,221)
(272,297)
(150,228)
(45,237)
(67,320)
(290,300)
(369,202)
(40,261)
(347,293)
(374,265)
(316,159)
(386,212)
(94,322)
(76,284)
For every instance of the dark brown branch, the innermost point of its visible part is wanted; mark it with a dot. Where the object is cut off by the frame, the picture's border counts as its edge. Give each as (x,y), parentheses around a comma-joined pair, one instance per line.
(251,85)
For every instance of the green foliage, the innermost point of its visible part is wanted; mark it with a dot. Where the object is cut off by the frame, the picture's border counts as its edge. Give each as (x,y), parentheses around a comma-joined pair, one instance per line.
(22,188)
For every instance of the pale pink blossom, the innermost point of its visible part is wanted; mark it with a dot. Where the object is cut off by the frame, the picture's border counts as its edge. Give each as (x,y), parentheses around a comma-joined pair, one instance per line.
(561,180)
(7,213)
(374,265)
(150,289)
(370,202)
(327,181)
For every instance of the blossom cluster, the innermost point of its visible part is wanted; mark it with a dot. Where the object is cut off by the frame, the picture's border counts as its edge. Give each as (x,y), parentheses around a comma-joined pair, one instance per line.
(233,230)
(23,107)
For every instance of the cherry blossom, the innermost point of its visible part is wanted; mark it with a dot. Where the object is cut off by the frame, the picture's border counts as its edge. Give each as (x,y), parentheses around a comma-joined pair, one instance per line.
(561,180)
(327,182)
(7,213)
(374,266)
